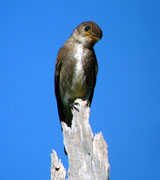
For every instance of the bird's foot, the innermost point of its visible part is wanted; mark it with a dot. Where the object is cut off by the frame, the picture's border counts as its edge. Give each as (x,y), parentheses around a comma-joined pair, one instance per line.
(73,106)
(87,104)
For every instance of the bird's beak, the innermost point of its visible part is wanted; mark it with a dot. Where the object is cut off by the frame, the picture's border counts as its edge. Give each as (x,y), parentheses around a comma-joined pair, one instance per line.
(92,36)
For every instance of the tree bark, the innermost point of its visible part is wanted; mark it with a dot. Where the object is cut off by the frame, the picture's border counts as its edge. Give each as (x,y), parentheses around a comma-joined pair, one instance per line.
(87,154)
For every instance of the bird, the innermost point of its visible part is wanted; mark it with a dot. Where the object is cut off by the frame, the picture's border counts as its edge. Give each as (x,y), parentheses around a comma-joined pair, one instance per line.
(76,69)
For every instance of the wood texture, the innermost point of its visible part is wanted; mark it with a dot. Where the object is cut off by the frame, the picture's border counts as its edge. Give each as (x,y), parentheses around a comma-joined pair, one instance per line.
(87,154)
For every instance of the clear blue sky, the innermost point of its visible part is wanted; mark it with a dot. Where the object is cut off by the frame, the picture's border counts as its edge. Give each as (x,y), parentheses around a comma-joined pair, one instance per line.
(126,103)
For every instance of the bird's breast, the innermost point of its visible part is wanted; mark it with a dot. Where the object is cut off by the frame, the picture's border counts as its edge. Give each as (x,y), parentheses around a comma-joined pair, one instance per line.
(79,78)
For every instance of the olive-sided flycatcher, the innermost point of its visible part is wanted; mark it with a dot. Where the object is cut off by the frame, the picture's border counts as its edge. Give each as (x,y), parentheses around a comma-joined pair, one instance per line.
(76,69)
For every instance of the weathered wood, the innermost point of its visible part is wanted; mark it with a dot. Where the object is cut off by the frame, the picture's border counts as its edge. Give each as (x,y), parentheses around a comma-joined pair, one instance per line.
(58,172)
(87,154)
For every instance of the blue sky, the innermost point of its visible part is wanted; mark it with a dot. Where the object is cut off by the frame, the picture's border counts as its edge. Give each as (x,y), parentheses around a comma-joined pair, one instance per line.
(126,103)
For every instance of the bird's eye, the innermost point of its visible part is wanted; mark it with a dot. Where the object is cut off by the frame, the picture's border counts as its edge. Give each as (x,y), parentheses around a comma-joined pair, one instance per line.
(86,28)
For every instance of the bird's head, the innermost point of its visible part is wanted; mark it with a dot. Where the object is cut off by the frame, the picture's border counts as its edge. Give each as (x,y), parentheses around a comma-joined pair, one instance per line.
(87,33)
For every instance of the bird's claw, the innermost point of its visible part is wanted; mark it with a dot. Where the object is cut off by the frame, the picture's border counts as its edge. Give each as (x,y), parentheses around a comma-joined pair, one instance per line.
(73,106)
(87,104)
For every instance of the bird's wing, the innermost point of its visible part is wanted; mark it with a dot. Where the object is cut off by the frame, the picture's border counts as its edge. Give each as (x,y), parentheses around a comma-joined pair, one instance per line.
(56,85)
(94,79)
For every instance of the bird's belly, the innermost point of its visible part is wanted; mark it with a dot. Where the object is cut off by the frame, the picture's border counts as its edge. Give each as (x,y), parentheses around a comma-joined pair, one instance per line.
(77,89)
(79,86)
